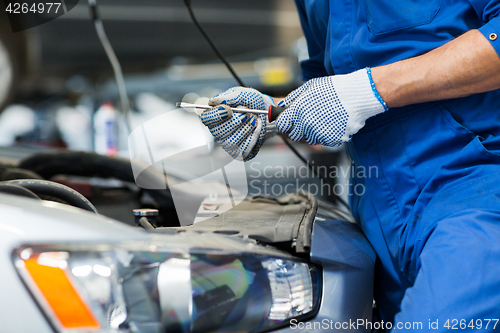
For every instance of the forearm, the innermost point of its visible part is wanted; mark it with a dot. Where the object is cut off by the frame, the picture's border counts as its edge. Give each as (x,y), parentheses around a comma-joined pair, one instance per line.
(462,67)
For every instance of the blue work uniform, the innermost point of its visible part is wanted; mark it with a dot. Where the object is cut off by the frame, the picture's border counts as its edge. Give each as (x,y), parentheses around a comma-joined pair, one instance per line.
(429,174)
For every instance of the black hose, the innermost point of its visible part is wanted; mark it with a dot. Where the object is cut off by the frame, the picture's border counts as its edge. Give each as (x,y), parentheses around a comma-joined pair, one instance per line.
(18,191)
(9,172)
(47,188)
(50,164)
(212,45)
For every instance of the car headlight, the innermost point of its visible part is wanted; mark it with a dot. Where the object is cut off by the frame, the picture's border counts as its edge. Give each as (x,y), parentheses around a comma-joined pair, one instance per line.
(141,288)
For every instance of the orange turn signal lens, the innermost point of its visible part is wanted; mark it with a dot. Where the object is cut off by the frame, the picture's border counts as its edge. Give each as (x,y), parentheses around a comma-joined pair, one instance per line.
(54,284)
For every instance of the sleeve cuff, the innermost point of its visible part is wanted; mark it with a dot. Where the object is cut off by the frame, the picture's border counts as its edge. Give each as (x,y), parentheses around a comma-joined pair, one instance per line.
(491,31)
(311,70)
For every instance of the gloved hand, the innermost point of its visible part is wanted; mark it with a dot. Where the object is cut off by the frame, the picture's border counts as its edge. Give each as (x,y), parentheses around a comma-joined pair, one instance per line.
(240,134)
(329,110)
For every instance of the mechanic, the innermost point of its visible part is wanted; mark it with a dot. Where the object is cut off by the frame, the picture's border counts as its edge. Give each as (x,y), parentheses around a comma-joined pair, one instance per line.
(416,89)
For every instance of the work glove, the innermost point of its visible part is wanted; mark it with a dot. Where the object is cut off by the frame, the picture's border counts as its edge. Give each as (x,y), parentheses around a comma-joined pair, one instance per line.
(240,134)
(329,110)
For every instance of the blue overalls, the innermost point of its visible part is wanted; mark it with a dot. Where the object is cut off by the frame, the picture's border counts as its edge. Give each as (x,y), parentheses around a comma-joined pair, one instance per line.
(430,172)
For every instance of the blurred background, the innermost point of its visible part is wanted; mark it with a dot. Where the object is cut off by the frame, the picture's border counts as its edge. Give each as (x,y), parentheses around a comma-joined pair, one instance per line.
(57,89)
(61,64)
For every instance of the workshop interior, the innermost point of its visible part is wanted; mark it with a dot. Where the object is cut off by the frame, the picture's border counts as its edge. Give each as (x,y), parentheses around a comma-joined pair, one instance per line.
(122,212)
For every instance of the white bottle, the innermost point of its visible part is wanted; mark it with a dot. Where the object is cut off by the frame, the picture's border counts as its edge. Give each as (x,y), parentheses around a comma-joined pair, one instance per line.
(106,130)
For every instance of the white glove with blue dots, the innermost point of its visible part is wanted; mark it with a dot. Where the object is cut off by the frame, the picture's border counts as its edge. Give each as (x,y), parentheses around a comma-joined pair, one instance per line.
(329,110)
(240,134)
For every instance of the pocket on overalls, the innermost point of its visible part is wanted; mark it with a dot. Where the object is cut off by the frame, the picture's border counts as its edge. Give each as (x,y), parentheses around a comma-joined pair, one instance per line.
(384,16)
(488,147)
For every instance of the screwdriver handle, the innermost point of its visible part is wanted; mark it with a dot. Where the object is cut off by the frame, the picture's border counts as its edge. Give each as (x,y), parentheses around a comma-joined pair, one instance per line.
(274,112)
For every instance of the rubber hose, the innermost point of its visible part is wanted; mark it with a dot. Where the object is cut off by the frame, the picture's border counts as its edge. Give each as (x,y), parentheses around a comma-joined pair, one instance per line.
(49,164)
(18,191)
(45,187)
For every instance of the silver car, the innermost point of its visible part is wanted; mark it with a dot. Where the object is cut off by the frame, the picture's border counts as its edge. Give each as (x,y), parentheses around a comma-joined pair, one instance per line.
(279,264)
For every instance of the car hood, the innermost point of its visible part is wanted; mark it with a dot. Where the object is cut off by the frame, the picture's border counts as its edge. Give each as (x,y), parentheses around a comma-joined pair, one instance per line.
(28,221)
